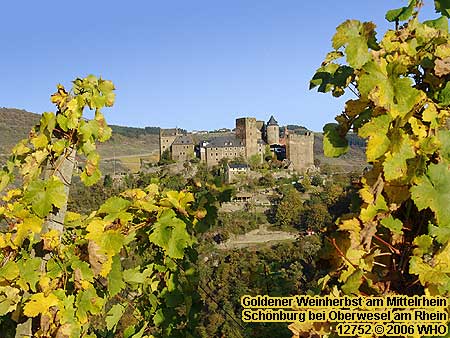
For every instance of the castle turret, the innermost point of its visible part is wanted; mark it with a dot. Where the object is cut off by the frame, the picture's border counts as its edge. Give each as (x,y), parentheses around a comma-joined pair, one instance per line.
(273,131)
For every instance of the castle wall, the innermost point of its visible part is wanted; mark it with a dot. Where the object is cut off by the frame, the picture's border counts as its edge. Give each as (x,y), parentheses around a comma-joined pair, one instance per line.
(299,150)
(247,131)
(182,152)
(165,142)
(213,155)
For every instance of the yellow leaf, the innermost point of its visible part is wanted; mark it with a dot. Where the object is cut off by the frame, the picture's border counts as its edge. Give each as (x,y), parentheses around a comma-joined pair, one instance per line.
(51,239)
(39,303)
(11,194)
(31,224)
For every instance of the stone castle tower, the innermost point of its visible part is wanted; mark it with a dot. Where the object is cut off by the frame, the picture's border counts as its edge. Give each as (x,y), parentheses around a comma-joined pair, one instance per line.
(247,131)
(273,131)
(166,138)
(300,150)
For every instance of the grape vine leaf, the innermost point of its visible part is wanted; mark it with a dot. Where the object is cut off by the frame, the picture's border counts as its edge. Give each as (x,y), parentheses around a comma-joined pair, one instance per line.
(433,190)
(43,195)
(113,316)
(39,303)
(334,144)
(171,235)
(401,14)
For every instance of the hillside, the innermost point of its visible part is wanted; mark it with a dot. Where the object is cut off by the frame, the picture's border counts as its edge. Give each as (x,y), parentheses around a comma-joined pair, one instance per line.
(127,142)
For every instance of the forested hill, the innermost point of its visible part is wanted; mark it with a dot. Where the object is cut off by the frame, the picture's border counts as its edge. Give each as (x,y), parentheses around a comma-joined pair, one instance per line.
(15,124)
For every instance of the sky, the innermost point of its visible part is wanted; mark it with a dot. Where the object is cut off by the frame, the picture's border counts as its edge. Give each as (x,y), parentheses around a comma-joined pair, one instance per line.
(193,64)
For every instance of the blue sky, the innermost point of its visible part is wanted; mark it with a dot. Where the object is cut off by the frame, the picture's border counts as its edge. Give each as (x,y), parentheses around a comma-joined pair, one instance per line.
(195,64)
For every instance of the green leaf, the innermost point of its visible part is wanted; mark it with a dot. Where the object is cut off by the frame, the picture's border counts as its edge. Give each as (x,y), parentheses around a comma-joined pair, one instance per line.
(401,14)
(439,23)
(87,301)
(134,276)
(433,191)
(444,95)
(423,243)
(113,316)
(442,234)
(334,144)
(443,7)
(357,37)
(29,272)
(115,281)
(171,235)
(43,195)
(159,318)
(393,224)
(444,139)
(47,122)
(353,283)
(115,208)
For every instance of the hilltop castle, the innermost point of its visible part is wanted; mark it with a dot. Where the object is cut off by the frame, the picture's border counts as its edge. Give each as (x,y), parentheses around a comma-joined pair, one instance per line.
(249,140)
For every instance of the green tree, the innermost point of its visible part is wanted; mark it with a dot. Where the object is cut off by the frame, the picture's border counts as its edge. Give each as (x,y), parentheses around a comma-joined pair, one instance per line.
(289,208)
(107,181)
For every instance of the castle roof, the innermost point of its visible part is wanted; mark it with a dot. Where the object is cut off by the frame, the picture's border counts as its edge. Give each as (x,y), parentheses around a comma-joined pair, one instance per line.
(272,121)
(184,139)
(169,132)
(225,141)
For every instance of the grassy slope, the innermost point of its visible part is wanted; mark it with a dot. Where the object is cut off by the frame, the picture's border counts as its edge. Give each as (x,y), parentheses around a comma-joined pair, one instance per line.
(15,125)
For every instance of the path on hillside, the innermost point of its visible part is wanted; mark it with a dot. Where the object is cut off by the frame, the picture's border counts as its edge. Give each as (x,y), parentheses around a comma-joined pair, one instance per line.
(118,157)
(257,236)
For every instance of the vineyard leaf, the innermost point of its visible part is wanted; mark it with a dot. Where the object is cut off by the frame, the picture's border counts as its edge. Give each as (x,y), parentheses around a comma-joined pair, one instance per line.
(88,301)
(443,7)
(31,224)
(376,131)
(393,224)
(43,195)
(444,139)
(353,283)
(356,36)
(171,235)
(9,271)
(47,122)
(115,281)
(395,165)
(29,272)
(39,141)
(9,298)
(433,191)
(334,144)
(423,244)
(439,23)
(442,234)
(39,303)
(113,316)
(401,14)
(444,95)
(115,208)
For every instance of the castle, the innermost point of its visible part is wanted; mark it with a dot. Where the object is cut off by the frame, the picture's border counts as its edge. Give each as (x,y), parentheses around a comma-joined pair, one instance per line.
(250,139)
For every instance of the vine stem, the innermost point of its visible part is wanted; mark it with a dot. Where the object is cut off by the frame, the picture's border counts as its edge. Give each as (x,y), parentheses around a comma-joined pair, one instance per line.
(393,249)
